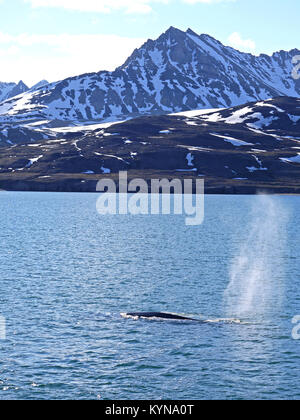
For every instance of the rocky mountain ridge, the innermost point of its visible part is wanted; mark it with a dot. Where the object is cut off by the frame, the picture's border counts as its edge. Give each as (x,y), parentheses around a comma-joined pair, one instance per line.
(179,71)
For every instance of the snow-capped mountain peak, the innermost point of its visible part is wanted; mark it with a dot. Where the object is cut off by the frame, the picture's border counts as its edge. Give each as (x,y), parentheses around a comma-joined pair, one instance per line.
(39,84)
(178,71)
(9,90)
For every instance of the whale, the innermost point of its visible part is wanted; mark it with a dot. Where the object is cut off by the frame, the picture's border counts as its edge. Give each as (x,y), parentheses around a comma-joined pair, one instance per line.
(160,315)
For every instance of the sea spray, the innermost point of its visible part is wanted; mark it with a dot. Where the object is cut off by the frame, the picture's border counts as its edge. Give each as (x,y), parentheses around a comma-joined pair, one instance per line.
(256,284)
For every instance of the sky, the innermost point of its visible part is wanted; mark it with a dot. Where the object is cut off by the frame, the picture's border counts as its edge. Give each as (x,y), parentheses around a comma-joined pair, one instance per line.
(55,39)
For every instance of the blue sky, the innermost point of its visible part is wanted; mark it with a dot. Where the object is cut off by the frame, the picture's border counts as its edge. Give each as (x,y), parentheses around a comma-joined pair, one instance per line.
(53,39)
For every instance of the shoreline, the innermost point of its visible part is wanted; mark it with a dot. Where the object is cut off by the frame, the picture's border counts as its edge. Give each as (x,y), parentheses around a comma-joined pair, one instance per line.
(86,183)
(208,191)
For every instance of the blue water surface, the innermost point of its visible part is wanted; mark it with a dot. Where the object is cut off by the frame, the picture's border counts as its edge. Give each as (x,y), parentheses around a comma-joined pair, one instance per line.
(67,273)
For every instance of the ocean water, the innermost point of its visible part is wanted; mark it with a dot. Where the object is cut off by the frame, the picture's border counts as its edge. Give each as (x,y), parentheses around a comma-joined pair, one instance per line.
(68,273)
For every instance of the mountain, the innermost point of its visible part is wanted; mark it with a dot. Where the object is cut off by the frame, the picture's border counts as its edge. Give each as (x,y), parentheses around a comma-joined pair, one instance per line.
(237,150)
(9,90)
(179,71)
(39,84)
(280,115)
(13,134)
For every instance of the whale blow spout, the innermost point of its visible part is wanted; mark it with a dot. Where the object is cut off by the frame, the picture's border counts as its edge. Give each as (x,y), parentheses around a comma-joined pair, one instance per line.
(159,315)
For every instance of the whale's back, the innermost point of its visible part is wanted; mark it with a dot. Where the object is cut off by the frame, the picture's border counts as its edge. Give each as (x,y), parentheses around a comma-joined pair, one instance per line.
(161,315)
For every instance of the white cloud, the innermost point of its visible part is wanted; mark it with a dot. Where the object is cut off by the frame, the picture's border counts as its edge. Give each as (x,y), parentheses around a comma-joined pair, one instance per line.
(55,57)
(236,41)
(99,6)
(108,6)
(208,1)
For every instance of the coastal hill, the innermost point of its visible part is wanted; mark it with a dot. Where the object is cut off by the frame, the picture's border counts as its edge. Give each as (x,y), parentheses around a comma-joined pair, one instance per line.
(237,150)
